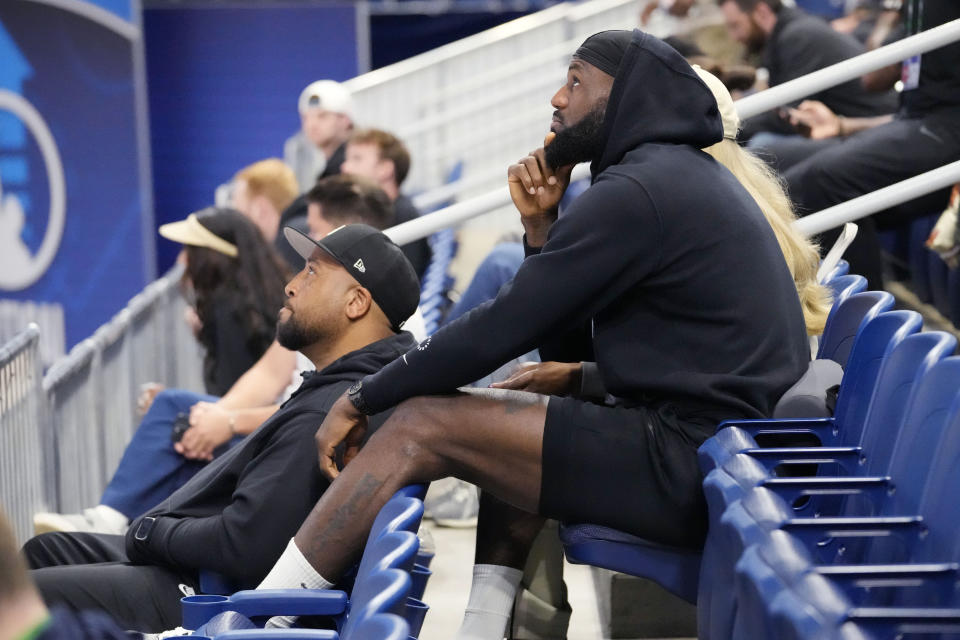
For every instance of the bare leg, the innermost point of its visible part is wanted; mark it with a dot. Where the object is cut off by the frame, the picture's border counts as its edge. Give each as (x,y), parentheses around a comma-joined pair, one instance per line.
(491,438)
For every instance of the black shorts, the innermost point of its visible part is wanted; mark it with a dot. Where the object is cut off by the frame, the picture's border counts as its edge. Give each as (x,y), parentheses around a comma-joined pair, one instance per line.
(632,469)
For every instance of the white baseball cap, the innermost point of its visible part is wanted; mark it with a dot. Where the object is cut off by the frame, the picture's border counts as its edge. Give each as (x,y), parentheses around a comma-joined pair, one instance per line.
(328,95)
(728,112)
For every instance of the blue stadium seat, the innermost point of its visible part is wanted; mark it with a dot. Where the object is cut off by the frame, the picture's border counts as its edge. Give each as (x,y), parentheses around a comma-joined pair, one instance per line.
(675,569)
(842,287)
(877,340)
(842,269)
(732,529)
(846,321)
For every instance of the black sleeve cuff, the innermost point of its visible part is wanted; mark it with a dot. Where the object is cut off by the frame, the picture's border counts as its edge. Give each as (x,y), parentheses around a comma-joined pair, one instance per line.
(528,250)
(591,384)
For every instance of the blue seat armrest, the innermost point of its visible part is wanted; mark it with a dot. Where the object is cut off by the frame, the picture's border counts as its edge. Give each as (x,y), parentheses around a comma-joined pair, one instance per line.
(813,531)
(821,427)
(197,610)
(278,634)
(849,577)
(888,622)
(848,458)
(790,489)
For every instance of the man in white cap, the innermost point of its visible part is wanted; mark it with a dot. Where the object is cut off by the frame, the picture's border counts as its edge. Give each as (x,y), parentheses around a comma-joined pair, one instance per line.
(326,120)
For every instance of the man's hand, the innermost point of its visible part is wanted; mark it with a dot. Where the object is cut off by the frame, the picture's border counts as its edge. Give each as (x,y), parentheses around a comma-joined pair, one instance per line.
(536,190)
(823,122)
(343,424)
(209,428)
(547,378)
(148,392)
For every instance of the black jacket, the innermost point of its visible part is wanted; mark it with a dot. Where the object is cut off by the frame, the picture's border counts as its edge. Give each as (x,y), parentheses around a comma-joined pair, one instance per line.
(691,301)
(236,516)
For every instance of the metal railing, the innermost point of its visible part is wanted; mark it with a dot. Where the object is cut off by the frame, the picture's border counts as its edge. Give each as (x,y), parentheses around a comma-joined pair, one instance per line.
(23,443)
(478,100)
(788,92)
(63,433)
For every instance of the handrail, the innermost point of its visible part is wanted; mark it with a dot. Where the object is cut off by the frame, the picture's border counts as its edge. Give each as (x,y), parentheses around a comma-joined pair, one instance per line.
(472,43)
(880,199)
(848,69)
(751,105)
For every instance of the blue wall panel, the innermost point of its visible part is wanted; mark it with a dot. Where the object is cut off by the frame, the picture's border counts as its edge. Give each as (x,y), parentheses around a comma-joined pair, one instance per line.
(223,85)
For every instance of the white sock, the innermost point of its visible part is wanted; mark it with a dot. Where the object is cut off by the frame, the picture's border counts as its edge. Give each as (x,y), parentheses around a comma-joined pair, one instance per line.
(292,571)
(492,594)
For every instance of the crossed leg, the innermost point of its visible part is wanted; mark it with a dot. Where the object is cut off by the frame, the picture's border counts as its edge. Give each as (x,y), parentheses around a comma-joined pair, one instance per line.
(491,438)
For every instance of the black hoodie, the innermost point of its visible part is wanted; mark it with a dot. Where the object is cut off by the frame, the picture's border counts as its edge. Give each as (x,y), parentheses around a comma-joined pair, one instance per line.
(691,301)
(236,516)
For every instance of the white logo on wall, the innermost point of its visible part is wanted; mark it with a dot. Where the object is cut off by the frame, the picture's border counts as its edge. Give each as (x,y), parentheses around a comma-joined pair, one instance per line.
(19,268)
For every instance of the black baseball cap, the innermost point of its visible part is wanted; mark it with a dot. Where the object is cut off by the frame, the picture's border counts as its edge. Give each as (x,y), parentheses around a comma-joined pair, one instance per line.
(373,260)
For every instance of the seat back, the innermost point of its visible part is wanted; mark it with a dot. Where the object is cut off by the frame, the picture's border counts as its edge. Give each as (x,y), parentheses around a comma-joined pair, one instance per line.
(812,607)
(842,287)
(394,550)
(842,269)
(877,340)
(400,513)
(382,591)
(846,320)
(900,375)
(932,408)
(380,626)
(935,473)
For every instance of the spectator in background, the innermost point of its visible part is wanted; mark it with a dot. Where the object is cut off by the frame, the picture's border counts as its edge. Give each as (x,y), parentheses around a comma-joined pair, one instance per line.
(792,44)
(862,155)
(153,466)
(326,119)
(381,156)
(233,279)
(237,514)
(263,191)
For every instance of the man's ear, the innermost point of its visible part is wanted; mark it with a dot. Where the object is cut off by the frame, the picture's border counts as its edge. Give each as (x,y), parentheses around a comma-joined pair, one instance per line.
(386,170)
(358,303)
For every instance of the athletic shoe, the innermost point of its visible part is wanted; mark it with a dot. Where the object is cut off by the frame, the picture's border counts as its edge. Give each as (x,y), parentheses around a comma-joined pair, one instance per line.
(456,507)
(99,519)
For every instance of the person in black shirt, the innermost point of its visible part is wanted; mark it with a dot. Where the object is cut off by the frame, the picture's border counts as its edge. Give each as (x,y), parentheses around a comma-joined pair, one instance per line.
(688,329)
(872,153)
(793,43)
(235,516)
(380,156)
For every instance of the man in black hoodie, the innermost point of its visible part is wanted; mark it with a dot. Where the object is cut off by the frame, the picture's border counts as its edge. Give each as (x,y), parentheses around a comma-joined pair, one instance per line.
(695,319)
(343,311)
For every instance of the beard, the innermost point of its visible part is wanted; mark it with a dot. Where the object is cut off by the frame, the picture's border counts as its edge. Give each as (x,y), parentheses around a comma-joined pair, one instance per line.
(756,39)
(294,336)
(580,142)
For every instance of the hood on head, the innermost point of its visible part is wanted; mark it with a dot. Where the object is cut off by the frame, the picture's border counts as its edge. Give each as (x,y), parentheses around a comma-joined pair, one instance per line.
(656,97)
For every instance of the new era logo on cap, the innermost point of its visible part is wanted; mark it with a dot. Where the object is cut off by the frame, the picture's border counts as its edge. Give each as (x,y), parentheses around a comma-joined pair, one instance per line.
(358,265)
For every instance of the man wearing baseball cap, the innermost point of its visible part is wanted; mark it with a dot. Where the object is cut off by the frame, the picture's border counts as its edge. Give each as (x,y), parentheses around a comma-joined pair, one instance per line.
(326,120)
(344,311)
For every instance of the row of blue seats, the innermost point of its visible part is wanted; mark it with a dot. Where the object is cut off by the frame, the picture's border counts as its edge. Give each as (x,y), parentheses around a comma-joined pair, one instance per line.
(384,600)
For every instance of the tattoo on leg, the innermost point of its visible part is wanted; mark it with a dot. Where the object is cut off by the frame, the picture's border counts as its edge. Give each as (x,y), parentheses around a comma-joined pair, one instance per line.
(344,515)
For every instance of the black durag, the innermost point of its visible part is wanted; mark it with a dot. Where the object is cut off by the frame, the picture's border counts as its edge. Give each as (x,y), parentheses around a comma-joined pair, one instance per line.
(605,50)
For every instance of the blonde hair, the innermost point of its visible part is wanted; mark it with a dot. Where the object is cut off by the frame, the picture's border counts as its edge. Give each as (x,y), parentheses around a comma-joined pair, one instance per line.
(272,179)
(801,254)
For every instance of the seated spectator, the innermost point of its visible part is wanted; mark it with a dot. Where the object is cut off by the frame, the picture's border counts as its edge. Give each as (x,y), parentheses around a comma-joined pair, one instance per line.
(153,466)
(326,119)
(236,515)
(689,329)
(792,44)
(231,278)
(382,157)
(24,616)
(861,155)
(263,192)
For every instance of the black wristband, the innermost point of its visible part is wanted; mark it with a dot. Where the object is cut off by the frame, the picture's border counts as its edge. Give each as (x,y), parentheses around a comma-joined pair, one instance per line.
(354,393)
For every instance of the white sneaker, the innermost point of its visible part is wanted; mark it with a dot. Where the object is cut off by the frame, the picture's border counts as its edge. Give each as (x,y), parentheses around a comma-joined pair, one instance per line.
(456,507)
(99,519)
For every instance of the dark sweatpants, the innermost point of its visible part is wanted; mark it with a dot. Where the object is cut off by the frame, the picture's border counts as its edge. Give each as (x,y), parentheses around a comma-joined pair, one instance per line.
(91,571)
(868,161)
